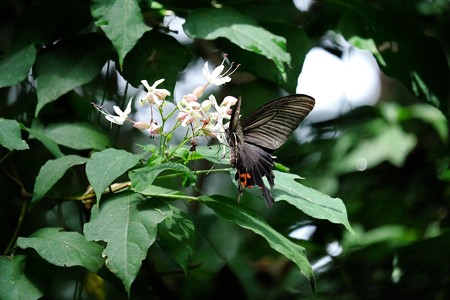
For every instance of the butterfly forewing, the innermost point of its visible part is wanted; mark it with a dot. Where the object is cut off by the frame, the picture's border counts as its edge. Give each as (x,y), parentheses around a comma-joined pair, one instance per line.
(272,124)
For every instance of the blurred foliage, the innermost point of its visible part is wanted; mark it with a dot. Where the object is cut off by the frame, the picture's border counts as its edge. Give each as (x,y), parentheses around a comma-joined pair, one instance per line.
(389,163)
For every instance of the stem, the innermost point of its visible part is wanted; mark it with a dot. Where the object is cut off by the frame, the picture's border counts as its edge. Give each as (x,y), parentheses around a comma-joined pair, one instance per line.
(180,144)
(190,198)
(13,239)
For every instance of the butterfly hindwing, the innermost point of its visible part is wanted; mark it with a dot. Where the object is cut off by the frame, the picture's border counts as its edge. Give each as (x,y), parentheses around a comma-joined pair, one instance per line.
(253,163)
(264,130)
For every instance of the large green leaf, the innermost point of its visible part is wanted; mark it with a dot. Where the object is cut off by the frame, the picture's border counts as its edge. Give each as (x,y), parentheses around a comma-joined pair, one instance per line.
(15,65)
(79,136)
(155,56)
(64,249)
(128,225)
(51,172)
(142,178)
(10,136)
(230,210)
(308,200)
(14,283)
(122,21)
(68,65)
(212,154)
(241,30)
(104,167)
(40,135)
(177,237)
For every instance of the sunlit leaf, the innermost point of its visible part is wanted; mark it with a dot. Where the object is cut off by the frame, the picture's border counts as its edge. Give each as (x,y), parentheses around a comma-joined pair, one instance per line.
(230,210)
(241,30)
(51,172)
(308,200)
(14,283)
(128,224)
(10,135)
(64,249)
(104,167)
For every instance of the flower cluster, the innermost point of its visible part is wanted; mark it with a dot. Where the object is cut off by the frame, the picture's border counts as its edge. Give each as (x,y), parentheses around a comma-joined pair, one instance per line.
(206,118)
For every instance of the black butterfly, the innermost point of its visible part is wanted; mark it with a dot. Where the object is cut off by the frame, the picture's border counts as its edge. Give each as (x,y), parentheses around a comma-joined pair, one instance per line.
(262,132)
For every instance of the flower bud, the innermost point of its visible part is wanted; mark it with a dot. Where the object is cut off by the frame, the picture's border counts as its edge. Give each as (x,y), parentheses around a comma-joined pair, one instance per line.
(141,125)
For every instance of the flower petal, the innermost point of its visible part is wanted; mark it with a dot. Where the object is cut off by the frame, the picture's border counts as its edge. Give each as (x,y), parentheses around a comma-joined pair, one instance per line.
(145,84)
(216,73)
(128,109)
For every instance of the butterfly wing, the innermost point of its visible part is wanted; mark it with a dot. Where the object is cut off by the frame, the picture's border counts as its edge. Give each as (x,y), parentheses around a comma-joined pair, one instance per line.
(253,163)
(272,124)
(265,130)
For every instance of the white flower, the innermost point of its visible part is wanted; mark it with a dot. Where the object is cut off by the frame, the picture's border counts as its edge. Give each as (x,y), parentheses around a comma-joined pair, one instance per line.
(154,96)
(121,115)
(218,76)
(215,77)
(189,111)
(224,109)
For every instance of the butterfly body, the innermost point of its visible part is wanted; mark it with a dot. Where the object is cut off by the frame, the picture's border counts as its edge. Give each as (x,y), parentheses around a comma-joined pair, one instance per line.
(263,131)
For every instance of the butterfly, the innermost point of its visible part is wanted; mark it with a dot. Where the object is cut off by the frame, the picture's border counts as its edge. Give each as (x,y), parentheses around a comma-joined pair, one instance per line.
(263,131)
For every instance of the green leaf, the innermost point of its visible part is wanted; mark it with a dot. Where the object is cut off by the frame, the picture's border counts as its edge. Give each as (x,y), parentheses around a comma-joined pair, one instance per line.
(164,57)
(122,22)
(128,225)
(143,177)
(51,172)
(104,167)
(212,23)
(79,136)
(158,191)
(177,237)
(310,201)
(68,65)
(15,65)
(391,143)
(14,283)
(64,249)
(212,154)
(230,210)
(40,135)
(10,136)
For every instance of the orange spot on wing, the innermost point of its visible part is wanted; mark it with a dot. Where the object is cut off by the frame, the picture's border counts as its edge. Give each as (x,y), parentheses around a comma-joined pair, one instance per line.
(243,178)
